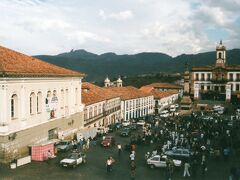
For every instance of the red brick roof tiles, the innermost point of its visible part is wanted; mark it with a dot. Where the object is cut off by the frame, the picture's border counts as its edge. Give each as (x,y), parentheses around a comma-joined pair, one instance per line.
(158,94)
(92,94)
(129,92)
(13,63)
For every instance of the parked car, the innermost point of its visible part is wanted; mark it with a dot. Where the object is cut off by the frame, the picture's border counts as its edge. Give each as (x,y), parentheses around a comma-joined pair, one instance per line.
(125,132)
(102,131)
(164,114)
(179,153)
(172,108)
(64,145)
(108,141)
(118,125)
(125,123)
(141,123)
(111,128)
(161,161)
(133,126)
(74,159)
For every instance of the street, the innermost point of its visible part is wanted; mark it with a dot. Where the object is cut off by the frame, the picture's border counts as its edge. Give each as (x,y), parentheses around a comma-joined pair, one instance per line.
(95,168)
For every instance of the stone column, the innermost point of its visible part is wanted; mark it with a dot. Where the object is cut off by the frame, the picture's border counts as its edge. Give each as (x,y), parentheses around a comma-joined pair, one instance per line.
(196,91)
(228,92)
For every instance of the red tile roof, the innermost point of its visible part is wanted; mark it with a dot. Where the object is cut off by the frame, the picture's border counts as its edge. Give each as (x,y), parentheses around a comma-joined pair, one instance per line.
(129,92)
(165,85)
(158,94)
(146,89)
(13,63)
(92,94)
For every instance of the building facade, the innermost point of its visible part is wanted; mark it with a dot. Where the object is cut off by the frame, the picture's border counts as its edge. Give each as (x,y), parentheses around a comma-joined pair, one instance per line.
(102,107)
(39,102)
(162,98)
(134,102)
(218,82)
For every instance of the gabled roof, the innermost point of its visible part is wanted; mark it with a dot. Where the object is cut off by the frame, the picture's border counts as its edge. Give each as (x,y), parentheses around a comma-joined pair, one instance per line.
(129,92)
(92,94)
(14,64)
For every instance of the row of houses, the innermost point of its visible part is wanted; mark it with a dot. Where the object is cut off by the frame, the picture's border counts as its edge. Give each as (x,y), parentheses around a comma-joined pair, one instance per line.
(41,102)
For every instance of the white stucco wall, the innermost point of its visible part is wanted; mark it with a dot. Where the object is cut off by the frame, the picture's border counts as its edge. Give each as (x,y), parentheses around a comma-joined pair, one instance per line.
(23,87)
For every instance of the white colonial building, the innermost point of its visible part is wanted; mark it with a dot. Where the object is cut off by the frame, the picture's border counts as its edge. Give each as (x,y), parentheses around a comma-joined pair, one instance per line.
(218,82)
(102,107)
(134,102)
(39,102)
(162,98)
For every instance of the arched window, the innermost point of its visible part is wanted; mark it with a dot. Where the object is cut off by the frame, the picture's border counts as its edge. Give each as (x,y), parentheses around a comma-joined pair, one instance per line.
(14,106)
(48,98)
(220,55)
(90,112)
(39,102)
(95,110)
(32,105)
(100,108)
(85,114)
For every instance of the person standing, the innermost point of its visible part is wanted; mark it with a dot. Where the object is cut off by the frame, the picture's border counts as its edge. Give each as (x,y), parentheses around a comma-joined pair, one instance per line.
(132,156)
(119,146)
(186,169)
(133,170)
(109,164)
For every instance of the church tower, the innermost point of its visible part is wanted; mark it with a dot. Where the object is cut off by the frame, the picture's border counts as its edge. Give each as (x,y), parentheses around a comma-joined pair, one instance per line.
(221,55)
(107,82)
(119,82)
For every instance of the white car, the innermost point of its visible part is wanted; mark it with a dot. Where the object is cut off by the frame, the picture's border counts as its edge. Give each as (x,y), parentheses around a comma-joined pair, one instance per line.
(102,130)
(126,123)
(172,108)
(164,113)
(161,161)
(74,159)
(141,123)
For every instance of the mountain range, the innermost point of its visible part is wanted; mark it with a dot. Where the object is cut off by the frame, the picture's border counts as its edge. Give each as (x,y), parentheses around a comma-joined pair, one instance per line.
(97,67)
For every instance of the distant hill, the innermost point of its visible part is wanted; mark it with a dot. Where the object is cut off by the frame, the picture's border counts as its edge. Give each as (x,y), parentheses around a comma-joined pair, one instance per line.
(98,66)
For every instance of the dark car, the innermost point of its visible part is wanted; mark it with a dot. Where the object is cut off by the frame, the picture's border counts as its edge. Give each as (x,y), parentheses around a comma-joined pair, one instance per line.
(118,125)
(133,126)
(108,141)
(125,132)
(111,128)
(179,153)
(64,145)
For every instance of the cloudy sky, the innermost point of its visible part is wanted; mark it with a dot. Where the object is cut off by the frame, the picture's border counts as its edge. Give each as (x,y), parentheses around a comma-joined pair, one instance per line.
(122,26)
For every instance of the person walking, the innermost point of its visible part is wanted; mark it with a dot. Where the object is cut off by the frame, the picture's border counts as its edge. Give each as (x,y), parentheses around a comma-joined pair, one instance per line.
(186,169)
(133,170)
(119,146)
(109,163)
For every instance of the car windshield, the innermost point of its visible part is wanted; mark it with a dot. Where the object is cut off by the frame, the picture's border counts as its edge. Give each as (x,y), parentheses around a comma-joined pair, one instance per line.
(73,156)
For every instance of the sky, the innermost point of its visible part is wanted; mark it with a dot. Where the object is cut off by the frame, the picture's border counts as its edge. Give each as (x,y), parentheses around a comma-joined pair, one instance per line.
(173,27)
